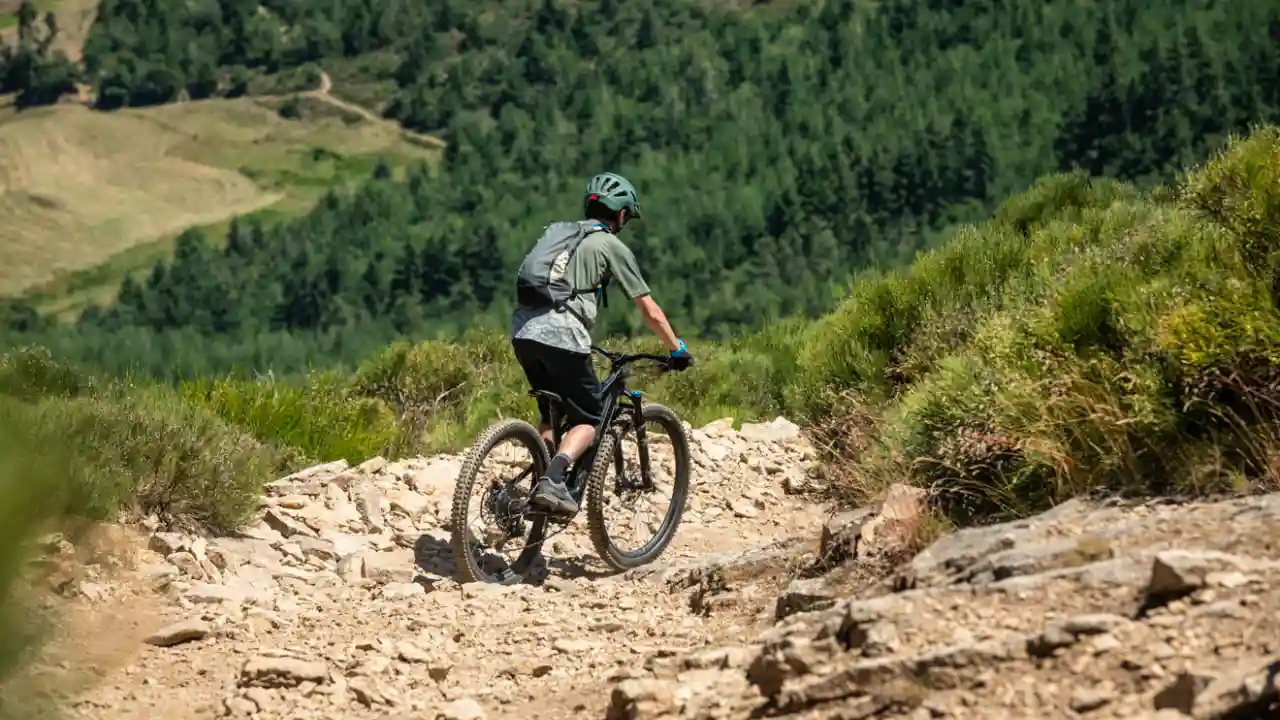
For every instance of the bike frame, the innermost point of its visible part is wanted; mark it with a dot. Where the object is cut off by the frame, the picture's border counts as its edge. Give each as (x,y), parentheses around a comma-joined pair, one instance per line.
(612,390)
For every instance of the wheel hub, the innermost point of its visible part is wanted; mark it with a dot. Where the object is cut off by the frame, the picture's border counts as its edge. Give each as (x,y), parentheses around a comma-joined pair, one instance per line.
(505,505)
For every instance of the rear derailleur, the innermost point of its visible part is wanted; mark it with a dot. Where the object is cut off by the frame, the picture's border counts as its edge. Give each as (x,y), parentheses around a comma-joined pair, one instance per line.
(504,507)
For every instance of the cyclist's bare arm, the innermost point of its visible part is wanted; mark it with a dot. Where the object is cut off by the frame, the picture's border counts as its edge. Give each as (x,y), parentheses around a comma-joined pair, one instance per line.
(657,322)
(622,263)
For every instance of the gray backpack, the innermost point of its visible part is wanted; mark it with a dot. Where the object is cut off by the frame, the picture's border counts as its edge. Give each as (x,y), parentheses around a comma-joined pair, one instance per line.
(542,281)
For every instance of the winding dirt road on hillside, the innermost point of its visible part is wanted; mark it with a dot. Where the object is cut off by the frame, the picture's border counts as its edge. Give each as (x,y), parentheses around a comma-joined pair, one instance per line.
(322,94)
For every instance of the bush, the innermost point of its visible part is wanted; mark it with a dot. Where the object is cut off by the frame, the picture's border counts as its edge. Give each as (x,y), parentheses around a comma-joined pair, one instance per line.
(34,475)
(136,448)
(1240,190)
(428,382)
(144,453)
(1086,338)
(316,418)
(750,378)
(31,373)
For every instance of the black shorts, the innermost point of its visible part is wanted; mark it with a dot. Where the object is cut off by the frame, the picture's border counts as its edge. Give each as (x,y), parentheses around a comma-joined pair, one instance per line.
(567,374)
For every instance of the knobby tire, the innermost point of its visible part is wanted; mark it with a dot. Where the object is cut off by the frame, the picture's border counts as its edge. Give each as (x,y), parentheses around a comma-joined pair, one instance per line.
(498,433)
(598,483)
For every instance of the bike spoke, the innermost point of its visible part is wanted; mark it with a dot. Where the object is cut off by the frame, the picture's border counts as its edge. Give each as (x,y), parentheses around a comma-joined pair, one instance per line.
(634,510)
(496,523)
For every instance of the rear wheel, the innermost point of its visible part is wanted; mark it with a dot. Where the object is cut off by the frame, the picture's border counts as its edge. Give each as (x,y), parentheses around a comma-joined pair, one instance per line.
(503,499)
(619,481)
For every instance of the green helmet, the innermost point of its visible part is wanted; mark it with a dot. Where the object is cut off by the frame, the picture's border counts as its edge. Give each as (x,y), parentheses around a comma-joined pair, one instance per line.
(615,192)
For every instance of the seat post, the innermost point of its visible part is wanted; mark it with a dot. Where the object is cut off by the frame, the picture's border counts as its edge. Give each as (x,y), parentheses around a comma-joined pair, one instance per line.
(557,433)
(553,415)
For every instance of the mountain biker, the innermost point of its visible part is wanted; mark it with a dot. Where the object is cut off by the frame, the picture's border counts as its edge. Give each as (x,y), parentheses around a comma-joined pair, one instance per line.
(552,342)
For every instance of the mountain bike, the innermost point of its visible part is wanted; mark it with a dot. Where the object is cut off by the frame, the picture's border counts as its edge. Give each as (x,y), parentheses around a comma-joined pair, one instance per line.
(600,476)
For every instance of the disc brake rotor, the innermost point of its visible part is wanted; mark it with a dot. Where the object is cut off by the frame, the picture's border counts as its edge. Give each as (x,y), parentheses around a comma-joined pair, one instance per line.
(502,512)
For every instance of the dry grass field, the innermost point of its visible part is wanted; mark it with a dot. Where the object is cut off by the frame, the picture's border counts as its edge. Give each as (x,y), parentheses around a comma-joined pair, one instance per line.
(79,187)
(75,17)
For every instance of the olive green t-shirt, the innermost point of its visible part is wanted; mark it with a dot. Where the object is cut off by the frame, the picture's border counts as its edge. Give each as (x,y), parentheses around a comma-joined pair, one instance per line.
(600,257)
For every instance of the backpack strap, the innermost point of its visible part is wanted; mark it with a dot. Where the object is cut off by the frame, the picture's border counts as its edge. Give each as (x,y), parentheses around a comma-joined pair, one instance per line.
(563,305)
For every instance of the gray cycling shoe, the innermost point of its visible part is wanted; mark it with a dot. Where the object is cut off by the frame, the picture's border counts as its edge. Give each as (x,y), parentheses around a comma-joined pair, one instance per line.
(552,496)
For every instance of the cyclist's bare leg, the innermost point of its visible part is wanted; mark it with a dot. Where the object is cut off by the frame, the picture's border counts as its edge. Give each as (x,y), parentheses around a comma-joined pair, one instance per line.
(576,441)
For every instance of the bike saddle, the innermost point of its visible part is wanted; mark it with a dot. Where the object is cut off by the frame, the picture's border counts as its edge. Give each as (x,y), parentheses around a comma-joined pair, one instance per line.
(546,394)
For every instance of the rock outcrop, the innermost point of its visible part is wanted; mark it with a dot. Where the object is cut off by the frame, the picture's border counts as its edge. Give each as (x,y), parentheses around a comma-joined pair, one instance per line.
(1102,611)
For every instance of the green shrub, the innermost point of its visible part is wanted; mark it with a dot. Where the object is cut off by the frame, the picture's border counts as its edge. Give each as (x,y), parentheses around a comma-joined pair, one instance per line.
(316,418)
(1088,337)
(1240,189)
(750,378)
(137,447)
(1060,197)
(424,382)
(34,474)
(30,373)
(147,452)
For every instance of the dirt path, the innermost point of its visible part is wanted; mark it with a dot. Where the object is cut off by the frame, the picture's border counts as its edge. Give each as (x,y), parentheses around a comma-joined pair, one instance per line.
(361,598)
(322,94)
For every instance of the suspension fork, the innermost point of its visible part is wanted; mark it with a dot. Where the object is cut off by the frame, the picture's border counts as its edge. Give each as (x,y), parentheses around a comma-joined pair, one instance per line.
(642,442)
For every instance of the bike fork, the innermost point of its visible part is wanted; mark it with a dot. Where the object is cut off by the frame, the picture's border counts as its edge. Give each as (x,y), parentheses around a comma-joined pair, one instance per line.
(642,443)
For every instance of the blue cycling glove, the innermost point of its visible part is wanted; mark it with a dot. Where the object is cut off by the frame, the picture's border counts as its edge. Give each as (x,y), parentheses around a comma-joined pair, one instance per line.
(680,357)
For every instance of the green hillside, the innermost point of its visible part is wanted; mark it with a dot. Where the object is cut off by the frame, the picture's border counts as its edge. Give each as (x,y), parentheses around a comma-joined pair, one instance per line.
(1089,335)
(778,148)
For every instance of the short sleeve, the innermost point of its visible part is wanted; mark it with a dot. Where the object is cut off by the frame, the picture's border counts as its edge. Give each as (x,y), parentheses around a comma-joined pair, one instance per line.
(624,268)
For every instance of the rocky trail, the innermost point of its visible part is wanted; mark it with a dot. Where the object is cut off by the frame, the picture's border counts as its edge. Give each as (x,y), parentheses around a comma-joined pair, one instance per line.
(341,602)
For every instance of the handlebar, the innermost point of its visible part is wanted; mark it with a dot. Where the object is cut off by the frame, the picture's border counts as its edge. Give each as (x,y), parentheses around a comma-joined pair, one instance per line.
(620,359)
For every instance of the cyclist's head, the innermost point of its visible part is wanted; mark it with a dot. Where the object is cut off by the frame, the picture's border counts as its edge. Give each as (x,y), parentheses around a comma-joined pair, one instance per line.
(611,199)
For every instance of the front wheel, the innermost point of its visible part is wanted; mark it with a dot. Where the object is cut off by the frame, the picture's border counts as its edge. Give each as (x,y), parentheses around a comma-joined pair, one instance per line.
(504,492)
(658,466)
